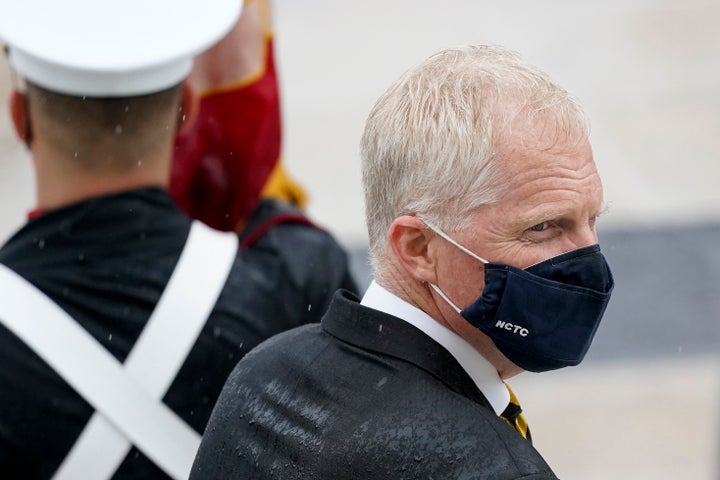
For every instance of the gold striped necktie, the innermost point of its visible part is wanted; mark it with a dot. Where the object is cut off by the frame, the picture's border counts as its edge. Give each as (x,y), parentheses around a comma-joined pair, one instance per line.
(514,416)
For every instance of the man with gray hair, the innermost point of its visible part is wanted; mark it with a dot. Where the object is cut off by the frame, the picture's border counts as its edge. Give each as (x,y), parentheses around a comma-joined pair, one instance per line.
(482,197)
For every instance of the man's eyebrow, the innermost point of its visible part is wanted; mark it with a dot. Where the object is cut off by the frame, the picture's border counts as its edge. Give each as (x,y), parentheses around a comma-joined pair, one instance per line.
(538,217)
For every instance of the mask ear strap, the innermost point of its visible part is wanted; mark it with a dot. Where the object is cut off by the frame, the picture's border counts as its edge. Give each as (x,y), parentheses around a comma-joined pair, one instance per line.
(444,297)
(447,237)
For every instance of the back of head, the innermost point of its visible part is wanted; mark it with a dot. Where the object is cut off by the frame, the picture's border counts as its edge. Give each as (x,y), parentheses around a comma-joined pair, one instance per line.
(433,142)
(103,76)
(109,134)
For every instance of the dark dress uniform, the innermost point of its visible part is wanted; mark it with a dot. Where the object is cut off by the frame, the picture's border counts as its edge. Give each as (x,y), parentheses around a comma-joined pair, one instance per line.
(106,261)
(364,395)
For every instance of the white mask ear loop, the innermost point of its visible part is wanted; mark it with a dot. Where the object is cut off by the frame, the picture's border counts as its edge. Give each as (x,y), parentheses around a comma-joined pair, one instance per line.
(453,242)
(445,297)
(447,237)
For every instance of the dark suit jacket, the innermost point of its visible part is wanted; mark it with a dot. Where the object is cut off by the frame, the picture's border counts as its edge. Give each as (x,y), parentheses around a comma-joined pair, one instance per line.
(365,395)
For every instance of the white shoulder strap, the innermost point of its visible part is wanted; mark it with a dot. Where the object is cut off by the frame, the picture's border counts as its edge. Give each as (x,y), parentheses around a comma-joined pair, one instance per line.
(127,397)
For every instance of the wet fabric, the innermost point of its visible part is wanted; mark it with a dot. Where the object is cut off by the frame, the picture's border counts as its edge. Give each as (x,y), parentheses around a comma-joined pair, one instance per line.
(105,261)
(364,395)
(223,161)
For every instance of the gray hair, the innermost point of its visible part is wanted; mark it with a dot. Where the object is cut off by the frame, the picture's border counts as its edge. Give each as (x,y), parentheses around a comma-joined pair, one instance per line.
(431,142)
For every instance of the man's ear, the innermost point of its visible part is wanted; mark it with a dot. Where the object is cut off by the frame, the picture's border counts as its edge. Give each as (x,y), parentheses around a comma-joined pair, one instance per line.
(20,115)
(188,108)
(409,239)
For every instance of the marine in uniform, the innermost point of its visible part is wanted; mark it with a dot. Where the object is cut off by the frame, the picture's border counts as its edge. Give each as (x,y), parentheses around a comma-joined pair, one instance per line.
(105,250)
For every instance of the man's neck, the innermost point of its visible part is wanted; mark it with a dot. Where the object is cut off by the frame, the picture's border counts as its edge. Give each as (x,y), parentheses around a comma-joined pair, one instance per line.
(419,295)
(60,183)
(411,291)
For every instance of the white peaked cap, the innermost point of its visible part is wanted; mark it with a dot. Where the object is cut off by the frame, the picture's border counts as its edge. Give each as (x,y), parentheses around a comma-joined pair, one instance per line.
(111,48)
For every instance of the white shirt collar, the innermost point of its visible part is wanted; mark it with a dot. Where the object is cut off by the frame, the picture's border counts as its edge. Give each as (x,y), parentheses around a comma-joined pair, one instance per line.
(477,367)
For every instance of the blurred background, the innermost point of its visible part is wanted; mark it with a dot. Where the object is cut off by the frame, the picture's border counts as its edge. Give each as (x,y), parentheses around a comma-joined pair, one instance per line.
(646,402)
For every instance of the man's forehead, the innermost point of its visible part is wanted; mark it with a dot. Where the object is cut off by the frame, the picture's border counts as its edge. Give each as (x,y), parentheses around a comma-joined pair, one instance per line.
(519,152)
(549,129)
(538,177)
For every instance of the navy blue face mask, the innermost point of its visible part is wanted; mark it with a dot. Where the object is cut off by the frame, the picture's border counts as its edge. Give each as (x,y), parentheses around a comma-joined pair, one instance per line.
(545,316)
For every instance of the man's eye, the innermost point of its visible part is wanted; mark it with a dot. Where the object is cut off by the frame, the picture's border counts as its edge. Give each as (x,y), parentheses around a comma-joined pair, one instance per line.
(539,227)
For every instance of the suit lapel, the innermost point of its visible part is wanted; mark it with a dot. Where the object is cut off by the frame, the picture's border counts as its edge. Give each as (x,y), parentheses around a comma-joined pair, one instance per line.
(385,334)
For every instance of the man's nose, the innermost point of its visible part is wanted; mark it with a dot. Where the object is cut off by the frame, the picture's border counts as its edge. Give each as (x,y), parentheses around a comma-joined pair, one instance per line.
(583,237)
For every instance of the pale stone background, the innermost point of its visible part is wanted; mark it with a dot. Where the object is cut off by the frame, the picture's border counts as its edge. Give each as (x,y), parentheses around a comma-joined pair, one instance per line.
(646,405)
